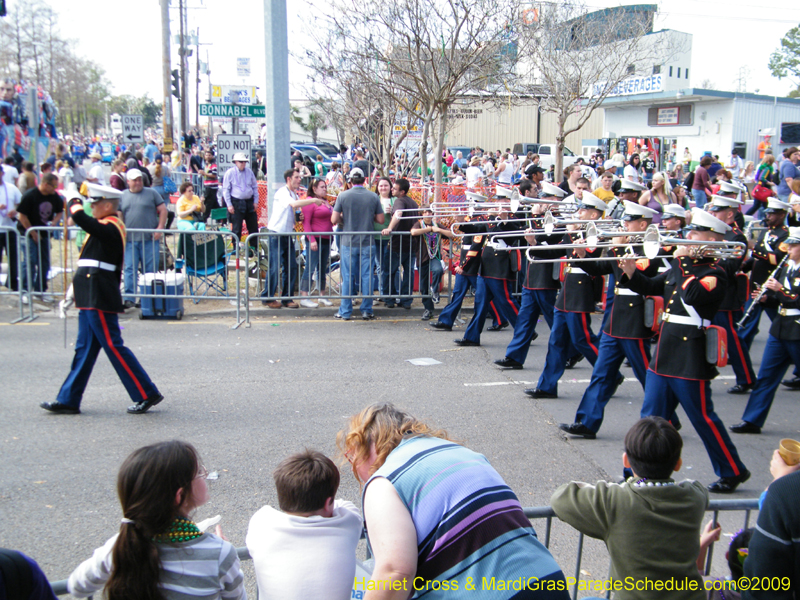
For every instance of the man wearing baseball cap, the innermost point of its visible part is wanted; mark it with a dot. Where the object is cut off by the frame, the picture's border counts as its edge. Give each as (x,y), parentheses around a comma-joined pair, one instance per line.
(96,285)
(239,191)
(96,173)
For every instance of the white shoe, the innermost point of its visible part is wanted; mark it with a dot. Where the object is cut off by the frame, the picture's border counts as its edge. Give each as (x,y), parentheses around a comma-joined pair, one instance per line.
(308,303)
(325,302)
(25,298)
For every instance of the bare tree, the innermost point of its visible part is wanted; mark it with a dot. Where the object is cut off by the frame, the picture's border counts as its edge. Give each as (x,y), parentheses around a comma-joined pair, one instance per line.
(575,60)
(421,55)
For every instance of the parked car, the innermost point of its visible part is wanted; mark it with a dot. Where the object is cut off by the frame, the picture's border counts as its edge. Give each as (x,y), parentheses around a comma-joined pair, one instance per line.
(546,154)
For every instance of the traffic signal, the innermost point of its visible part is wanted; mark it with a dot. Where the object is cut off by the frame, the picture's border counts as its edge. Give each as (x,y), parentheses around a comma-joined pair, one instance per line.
(176,85)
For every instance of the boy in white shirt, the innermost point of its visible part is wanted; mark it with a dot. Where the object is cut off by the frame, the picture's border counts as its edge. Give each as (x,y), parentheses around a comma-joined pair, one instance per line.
(308,548)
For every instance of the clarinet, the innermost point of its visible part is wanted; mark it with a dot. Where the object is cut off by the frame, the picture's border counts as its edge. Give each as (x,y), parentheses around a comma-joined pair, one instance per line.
(762,290)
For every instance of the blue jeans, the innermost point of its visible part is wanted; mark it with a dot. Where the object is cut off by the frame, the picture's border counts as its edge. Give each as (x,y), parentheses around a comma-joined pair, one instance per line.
(281,256)
(138,253)
(699,197)
(356,260)
(430,278)
(318,262)
(38,256)
(394,262)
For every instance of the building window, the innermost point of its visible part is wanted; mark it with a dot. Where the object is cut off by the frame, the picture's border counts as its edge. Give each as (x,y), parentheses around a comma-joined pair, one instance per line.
(670,71)
(631,69)
(679,72)
(687,73)
(656,69)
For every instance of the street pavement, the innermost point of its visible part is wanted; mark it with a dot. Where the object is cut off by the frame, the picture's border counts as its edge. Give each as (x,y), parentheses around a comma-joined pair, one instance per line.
(247,398)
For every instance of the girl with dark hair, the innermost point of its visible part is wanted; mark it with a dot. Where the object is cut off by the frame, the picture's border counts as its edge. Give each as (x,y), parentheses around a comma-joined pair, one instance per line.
(316,222)
(159,553)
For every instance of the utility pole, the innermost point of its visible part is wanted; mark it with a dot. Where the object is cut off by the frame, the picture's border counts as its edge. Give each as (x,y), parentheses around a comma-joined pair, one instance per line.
(210,118)
(184,87)
(197,82)
(166,63)
(277,93)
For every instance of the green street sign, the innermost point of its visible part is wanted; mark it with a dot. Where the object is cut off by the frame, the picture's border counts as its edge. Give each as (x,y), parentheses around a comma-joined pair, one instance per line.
(232,111)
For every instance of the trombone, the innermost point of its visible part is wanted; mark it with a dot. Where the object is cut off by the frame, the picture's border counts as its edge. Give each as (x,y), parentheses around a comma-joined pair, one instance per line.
(720,250)
(592,237)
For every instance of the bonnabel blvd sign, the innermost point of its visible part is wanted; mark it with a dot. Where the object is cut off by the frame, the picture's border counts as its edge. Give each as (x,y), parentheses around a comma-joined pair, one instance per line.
(232,111)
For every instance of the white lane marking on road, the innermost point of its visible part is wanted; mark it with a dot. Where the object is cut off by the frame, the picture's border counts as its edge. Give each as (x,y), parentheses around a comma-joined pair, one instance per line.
(561,381)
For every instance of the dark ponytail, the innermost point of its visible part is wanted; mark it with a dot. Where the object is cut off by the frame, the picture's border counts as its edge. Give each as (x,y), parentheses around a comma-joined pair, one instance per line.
(147,485)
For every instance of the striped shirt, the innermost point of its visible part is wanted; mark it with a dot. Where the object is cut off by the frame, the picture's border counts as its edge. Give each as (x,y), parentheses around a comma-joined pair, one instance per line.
(470,525)
(206,567)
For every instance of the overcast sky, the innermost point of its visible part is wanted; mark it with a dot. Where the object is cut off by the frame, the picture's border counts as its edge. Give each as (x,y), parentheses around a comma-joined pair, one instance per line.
(125,38)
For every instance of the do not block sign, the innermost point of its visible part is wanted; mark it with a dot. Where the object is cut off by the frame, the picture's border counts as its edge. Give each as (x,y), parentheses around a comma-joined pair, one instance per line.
(227,146)
(133,129)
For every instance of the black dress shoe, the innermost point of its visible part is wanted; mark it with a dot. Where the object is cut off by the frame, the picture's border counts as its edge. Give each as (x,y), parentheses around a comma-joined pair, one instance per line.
(745,427)
(571,362)
(128,304)
(533,338)
(61,409)
(463,342)
(727,485)
(537,393)
(619,382)
(442,326)
(145,405)
(741,389)
(508,363)
(792,384)
(578,429)
(499,327)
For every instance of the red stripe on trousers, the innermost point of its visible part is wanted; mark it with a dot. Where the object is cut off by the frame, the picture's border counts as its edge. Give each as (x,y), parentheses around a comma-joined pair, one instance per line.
(738,344)
(714,430)
(588,334)
(644,355)
(496,313)
(117,354)
(508,297)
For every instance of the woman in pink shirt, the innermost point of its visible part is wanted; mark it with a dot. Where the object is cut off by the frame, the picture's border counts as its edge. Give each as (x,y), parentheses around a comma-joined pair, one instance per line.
(316,219)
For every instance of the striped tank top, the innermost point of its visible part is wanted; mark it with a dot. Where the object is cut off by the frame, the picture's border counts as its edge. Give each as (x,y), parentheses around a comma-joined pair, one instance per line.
(472,535)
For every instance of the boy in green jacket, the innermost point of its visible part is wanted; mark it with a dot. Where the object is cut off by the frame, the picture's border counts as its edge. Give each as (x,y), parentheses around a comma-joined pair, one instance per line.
(650,524)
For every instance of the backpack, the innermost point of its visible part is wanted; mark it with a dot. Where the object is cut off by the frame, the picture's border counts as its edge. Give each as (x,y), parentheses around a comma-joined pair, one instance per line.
(687,183)
(776,177)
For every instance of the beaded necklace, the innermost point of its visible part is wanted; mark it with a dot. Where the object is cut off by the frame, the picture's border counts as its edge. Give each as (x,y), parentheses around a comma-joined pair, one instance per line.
(644,483)
(181,530)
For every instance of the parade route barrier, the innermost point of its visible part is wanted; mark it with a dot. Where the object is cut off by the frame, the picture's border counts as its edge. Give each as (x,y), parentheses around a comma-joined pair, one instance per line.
(546,512)
(320,272)
(10,245)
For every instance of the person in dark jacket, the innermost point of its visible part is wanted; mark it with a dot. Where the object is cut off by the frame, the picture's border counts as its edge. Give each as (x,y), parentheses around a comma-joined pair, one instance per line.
(96,285)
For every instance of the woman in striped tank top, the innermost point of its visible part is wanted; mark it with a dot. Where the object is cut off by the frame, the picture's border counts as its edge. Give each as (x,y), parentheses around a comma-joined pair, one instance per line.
(440,521)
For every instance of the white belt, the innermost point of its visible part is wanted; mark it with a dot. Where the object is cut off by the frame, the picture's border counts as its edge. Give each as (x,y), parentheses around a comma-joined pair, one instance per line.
(789,312)
(87,262)
(576,271)
(624,292)
(680,320)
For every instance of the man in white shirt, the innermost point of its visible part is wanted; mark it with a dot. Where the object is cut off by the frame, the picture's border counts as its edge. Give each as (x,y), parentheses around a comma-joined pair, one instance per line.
(9,199)
(735,164)
(11,172)
(281,247)
(96,173)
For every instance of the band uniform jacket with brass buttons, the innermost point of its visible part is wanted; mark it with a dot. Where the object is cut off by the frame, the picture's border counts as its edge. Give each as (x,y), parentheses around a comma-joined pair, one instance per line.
(95,287)
(785,326)
(472,247)
(627,313)
(732,266)
(502,263)
(698,283)
(766,255)
(542,275)
(577,289)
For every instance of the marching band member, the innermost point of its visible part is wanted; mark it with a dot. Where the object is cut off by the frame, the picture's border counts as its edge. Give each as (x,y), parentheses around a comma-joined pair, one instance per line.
(572,319)
(783,343)
(679,372)
(765,256)
(540,288)
(497,274)
(730,311)
(625,335)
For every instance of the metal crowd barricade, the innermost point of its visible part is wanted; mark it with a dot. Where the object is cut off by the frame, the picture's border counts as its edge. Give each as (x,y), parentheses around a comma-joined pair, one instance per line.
(320,280)
(10,246)
(202,256)
(546,512)
(196,180)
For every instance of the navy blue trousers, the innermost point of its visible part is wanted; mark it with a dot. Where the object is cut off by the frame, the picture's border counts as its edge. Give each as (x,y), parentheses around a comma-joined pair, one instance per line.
(460,289)
(778,356)
(96,330)
(738,352)
(568,327)
(662,396)
(749,330)
(488,290)
(535,303)
(611,353)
